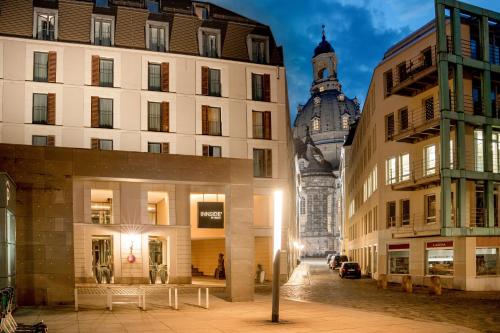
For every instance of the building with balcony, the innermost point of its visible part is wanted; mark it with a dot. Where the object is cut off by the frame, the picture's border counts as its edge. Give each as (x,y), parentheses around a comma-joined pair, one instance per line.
(420,167)
(152,130)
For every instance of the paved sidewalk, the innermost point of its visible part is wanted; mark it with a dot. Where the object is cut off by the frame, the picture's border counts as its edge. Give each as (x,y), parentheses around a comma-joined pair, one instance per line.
(225,317)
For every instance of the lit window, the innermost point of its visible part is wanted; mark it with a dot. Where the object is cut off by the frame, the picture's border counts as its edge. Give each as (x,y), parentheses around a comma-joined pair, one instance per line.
(495,147)
(315,124)
(479,150)
(487,261)
(101,204)
(430,160)
(45,24)
(404,167)
(345,122)
(439,261)
(391,171)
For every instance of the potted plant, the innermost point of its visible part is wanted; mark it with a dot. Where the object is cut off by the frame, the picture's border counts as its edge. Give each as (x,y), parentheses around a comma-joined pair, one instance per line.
(163,270)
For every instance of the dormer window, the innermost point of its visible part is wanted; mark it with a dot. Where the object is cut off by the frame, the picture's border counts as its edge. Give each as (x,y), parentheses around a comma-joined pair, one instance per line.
(315,124)
(201,11)
(45,24)
(258,49)
(157,36)
(103,30)
(102,3)
(153,6)
(209,42)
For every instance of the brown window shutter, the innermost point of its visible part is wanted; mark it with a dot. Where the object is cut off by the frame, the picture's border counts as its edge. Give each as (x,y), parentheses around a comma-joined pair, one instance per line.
(95,70)
(267,125)
(165,148)
(51,140)
(165,108)
(52,66)
(165,76)
(94,143)
(51,109)
(206,149)
(204,119)
(204,80)
(267,87)
(94,109)
(269,163)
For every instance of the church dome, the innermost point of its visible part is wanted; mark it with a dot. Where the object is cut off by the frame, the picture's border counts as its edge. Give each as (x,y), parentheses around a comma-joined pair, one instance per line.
(323,47)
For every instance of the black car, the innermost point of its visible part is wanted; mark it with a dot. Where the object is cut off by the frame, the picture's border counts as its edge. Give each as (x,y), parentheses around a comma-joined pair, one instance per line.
(350,269)
(337,261)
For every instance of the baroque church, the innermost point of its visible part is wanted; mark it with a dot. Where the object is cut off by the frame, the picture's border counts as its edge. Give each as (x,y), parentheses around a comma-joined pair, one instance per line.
(320,128)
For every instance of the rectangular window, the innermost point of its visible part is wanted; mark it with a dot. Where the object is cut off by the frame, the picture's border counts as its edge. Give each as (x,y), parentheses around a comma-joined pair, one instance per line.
(495,147)
(105,72)
(405,212)
(214,86)
(157,38)
(102,3)
(478,150)
(452,155)
(101,205)
(428,104)
(259,51)
(430,208)
(105,144)
(429,160)
(154,77)
(439,262)
(261,125)
(102,32)
(399,261)
(403,74)
(388,84)
(262,163)
(154,116)
(41,67)
(257,87)
(390,171)
(302,206)
(153,6)
(45,28)
(403,119)
(39,140)
(212,124)
(212,151)
(210,44)
(154,147)
(404,167)
(389,126)
(487,261)
(39,108)
(105,113)
(391,214)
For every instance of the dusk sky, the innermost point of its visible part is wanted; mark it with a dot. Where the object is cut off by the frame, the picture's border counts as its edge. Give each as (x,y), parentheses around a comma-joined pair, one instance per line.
(360,31)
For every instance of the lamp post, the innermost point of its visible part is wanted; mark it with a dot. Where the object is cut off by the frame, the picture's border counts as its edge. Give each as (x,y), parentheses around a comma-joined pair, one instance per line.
(278,212)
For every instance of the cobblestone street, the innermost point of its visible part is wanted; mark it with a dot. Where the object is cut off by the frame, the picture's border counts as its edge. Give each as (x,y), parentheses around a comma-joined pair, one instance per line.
(475,310)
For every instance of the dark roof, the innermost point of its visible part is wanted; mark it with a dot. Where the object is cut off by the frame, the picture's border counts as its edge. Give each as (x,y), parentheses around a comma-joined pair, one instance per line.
(352,133)
(411,38)
(323,47)
(307,150)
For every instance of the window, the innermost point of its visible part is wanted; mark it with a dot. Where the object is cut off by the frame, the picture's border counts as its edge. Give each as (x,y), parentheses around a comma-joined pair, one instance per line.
(345,122)
(495,147)
(399,261)
(428,104)
(403,74)
(154,116)
(41,67)
(201,11)
(261,125)
(156,36)
(102,3)
(390,171)
(154,147)
(430,208)
(211,121)
(101,205)
(262,163)
(45,24)
(153,6)
(103,29)
(154,77)
(439,261)
(105,113)
(429,160)
(389,126)
(213,151)
(258,49)
(388,82)
(404,167)
(105,144)
(257,87)
(391,214)
(152,213)
(478,150)
(210,43)
(302,206)
(452,155)
(487,261)
(39,108)
(316,124)
(403,119)
(405,212)
(39,140)
(214,86)
(105,72)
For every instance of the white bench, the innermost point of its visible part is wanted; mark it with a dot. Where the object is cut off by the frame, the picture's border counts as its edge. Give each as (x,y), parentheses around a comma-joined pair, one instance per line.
(121,292)
(94,291)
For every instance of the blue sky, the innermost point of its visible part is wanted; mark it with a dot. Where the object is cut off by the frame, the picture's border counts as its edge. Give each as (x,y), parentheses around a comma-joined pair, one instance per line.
(360,31)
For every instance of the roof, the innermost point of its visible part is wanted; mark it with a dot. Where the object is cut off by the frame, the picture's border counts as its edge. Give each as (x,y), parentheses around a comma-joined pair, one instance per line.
(323,47)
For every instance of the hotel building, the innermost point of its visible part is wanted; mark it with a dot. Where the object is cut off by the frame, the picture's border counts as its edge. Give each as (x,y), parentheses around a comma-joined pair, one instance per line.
(142,138)
(421,167)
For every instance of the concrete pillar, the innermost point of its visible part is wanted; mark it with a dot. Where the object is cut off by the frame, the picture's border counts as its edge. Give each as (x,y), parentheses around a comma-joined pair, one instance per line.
(182,257)
(240,243)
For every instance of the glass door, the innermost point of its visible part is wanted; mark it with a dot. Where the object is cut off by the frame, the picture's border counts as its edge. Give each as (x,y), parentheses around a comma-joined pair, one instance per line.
(102,259)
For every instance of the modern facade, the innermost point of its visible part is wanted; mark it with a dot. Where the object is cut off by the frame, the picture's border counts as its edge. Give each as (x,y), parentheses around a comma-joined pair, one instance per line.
(319,132)
(420,173)
(181,104)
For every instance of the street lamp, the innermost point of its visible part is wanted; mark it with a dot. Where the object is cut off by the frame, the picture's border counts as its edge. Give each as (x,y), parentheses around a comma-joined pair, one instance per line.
(278,213)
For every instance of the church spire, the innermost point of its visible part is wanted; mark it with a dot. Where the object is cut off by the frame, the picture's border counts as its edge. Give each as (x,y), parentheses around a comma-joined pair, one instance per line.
(323,38)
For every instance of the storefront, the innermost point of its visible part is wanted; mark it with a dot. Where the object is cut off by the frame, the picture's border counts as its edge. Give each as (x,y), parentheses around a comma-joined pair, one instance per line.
(439,258)
(398,258)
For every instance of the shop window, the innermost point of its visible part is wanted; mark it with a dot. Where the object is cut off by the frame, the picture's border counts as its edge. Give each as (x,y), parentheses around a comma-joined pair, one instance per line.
(439,261)
(487,261)
(399,261)
(102,259)
(101,205)
(158,208)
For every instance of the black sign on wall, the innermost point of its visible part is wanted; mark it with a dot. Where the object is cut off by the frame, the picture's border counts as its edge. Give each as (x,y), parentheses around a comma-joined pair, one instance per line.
(211,215)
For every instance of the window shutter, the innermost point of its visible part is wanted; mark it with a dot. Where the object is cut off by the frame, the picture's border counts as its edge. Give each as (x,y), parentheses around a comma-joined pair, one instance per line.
(51,109)
(165,76)
(95,70)
(52,66)
(165,108)
(206,150)
(267,125)
(94,143)
(267,87)
(94,115)
(204,80)
(204,119)
(51,140)
(269,163)
(165,148)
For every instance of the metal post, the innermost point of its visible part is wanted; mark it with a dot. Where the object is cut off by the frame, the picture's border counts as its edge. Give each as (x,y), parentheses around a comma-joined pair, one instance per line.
(206,295)
(175,299)
(276,288)
(170,297)
(199,296)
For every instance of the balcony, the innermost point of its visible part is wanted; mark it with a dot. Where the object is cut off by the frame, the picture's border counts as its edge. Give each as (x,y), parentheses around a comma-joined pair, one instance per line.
(417,124)
(417,225)
(416,75)
(421,175)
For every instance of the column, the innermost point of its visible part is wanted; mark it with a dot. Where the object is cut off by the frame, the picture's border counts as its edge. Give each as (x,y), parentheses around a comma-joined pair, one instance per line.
(182,256)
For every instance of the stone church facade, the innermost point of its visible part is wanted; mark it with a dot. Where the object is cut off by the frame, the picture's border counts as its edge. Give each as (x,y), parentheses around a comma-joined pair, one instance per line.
(320,128)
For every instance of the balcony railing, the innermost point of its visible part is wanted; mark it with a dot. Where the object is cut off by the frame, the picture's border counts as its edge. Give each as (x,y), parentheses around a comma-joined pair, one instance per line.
(418,225)
(418,124)
(422,173)
(472,49)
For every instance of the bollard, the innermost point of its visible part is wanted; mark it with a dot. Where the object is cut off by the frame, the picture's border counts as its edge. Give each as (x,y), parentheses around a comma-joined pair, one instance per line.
(436,287)
(382,281)
(407,283)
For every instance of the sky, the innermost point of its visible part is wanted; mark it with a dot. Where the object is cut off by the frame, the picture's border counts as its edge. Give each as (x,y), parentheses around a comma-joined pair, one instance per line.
(360,31)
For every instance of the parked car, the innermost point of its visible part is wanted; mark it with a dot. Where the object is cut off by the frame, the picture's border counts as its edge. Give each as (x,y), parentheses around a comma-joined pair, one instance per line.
(337,260)
(329,258)
(350,269)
